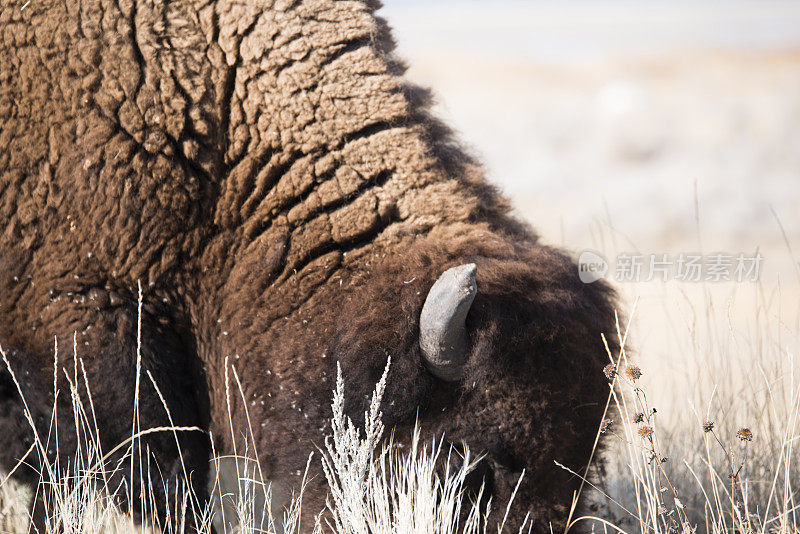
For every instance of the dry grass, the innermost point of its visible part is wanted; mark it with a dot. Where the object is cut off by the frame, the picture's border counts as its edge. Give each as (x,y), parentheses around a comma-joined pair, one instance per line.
(728,465)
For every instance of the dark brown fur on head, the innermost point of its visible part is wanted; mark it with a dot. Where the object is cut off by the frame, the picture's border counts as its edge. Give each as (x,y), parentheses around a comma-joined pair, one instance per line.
(286,201)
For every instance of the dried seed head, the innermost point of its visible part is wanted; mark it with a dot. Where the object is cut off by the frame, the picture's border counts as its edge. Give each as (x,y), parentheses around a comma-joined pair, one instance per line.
(708,426)
(645,432)
(744,434)
(638,417)
(633,372)
(610,371)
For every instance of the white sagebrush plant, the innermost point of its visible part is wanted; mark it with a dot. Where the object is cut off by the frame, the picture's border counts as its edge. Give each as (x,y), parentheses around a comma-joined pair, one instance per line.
(392,492)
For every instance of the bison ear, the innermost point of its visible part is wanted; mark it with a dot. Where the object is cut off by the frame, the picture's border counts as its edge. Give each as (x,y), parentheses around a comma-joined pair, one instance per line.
(442,330)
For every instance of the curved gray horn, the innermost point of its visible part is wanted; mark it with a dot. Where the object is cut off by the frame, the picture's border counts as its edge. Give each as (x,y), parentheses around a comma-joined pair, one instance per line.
(442,332)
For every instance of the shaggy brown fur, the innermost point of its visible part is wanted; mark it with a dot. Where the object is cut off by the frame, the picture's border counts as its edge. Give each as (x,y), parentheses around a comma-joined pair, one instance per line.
(286,201)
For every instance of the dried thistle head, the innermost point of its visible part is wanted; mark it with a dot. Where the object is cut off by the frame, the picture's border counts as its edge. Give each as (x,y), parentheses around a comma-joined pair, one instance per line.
(708,426)
(638,417)
(610,371)
(745,434)
(646,432)
(633,372)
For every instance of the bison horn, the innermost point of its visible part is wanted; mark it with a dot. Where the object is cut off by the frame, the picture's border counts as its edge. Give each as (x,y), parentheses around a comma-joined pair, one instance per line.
(442,332)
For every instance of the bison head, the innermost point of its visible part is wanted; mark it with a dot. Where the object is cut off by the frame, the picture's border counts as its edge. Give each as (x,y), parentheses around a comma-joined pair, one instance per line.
(494,346)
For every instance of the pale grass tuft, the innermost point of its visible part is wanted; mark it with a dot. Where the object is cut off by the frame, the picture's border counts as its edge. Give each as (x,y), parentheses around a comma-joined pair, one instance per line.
(395,492)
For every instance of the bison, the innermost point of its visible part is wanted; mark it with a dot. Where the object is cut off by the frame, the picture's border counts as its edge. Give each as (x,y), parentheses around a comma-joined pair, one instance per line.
(287,202)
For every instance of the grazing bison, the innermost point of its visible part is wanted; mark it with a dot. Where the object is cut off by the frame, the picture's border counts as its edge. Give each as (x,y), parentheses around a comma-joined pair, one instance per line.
(286,201)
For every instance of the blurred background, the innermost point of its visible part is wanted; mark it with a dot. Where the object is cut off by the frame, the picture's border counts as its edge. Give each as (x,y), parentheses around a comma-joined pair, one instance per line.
(649,127)
(581,109)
